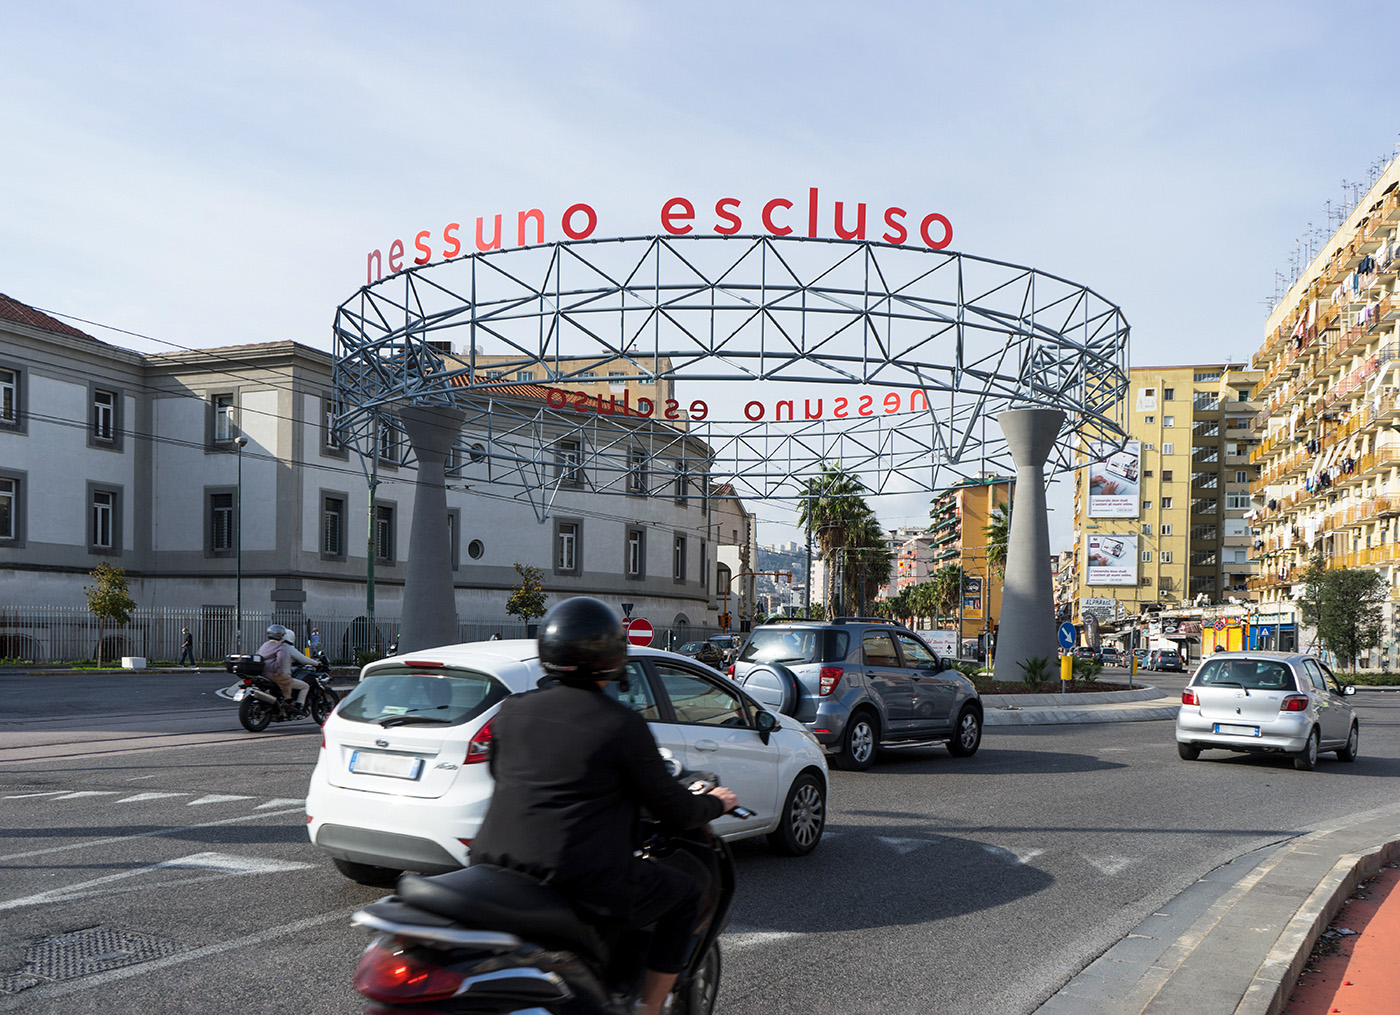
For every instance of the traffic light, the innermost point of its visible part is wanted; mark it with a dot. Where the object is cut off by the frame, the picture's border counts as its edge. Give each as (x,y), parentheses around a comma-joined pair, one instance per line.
(724,622)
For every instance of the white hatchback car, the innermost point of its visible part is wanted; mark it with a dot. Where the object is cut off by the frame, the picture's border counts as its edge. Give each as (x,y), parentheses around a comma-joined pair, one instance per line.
(401,783)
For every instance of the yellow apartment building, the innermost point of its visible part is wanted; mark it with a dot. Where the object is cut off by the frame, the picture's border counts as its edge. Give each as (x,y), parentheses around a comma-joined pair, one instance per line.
(1329,484)
(957,523)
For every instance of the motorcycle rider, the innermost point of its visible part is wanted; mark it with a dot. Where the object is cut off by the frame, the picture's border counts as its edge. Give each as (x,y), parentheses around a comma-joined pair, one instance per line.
(276,654)
(573,768)
(295,659)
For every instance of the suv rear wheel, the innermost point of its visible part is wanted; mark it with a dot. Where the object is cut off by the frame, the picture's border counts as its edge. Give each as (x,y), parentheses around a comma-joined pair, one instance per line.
(858,743)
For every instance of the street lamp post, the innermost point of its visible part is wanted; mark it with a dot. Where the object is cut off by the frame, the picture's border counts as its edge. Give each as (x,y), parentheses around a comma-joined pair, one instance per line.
(239,442)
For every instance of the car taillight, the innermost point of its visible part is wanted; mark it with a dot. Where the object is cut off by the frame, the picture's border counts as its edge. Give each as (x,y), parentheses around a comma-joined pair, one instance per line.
(479,746)
(1188,697)
(387,975)
(827,680)
(730,671)
(1294,703)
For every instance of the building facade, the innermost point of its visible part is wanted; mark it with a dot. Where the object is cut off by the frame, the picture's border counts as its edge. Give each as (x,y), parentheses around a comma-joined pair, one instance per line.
(958,521)
(217,480)
(1163,524)
(1329,484)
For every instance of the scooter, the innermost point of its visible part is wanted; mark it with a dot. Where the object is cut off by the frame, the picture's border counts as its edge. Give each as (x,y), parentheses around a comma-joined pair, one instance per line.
(260,700)
(488,941)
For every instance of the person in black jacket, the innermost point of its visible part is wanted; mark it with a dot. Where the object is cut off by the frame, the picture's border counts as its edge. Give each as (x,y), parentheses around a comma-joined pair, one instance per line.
(573,768)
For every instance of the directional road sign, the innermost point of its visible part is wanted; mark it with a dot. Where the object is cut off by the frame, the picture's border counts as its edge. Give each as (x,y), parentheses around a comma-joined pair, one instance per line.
(1067,635)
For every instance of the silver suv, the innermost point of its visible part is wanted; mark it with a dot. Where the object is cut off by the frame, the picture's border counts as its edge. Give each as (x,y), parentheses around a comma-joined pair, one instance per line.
(860,684)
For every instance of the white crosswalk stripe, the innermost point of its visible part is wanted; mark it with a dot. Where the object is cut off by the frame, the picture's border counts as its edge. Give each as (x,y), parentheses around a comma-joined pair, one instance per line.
(216,798)
(148,796)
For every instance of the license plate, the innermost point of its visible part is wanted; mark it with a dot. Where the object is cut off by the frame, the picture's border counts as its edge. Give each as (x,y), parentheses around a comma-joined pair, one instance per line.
(1237,731)
(396,766)
(240,694)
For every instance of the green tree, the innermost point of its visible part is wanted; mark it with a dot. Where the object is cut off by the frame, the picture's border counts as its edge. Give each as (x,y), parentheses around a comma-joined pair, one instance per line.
(868,561)
(109,600)
(997,531)
(527,601)
(1345,606)
(922,600)
(947,589)
(833,505)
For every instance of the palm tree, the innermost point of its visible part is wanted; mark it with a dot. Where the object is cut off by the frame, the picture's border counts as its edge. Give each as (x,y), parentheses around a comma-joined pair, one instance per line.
(868,559)
(834,503)
(947,589)
(997,530)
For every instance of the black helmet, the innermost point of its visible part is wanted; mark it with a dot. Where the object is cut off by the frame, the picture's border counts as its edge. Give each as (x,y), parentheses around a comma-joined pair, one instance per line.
(582,640)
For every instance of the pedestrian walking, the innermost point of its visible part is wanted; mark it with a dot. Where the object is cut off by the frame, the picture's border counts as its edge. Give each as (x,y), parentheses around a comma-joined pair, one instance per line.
(315,640)
(186,647)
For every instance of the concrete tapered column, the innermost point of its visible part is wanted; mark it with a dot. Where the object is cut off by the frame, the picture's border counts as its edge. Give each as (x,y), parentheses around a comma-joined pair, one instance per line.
(1027,626)
(429,606)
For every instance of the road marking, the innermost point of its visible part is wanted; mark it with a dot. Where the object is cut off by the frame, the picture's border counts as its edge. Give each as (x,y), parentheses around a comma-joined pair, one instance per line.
(755,938)
(143,835)
(142,968)
(280,802)
(140,778)
(1110,864)
(216,798)
(1021,856)
(26,796)
(902,846)
(221,864)
(86,793)
(147,796)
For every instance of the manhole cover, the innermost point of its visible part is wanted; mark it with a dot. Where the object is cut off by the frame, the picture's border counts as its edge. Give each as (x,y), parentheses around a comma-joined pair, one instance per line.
(82,953)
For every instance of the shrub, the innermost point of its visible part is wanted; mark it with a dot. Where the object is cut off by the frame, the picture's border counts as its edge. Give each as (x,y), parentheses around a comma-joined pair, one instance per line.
(1087,670)
(1034,671)
(363,659)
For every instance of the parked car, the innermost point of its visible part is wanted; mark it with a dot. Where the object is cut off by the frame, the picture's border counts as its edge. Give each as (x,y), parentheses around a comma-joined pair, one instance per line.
(1085,652)
(1108,655)
(860,685)
(401,784)
(1165,659)
(706,652)
(1267,703)
(1141,655)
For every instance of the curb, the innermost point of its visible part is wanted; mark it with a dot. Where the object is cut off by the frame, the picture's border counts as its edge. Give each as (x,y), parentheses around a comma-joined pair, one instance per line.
(1052,716)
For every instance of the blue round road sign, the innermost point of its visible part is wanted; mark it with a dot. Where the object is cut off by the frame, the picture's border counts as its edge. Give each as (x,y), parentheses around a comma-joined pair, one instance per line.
(1067,634)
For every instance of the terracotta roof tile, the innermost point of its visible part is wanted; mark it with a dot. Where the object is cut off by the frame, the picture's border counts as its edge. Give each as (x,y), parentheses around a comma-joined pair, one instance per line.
(14,310)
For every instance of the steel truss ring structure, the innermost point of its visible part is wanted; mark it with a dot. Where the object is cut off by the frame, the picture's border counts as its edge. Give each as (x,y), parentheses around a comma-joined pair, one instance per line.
(946,338)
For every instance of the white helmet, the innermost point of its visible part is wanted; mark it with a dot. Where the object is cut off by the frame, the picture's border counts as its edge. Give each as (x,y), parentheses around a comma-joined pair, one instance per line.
(289,638)
(277,632)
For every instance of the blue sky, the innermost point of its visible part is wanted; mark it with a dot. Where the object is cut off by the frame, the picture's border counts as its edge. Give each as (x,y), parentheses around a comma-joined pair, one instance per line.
(214,174)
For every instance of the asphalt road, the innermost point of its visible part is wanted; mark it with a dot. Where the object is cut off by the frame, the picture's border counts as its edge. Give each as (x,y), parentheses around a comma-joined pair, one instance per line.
(944,884)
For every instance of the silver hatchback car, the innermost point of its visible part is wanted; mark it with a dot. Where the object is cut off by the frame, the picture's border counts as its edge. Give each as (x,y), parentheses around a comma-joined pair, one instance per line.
(1267,703)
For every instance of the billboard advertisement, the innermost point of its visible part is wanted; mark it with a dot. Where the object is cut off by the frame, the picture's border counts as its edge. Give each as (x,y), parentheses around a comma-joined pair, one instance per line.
(972,596)
(1112,560)
(1113,480)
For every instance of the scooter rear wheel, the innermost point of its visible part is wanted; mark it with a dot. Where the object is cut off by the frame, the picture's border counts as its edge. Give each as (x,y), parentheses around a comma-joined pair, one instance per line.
(697,996)
(254,714)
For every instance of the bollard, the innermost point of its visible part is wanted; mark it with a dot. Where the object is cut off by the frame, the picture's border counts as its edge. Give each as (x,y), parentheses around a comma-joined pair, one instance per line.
(1066,671)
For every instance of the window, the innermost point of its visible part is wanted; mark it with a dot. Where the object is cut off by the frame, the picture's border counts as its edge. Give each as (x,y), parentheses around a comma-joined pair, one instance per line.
(1147,528)
(332,437)
(635,562)
(704,565)
(1205,377)
(11,509)
(1168,422)
(678,559)
(567,536)
(1147,505)
(525,375)
(494,375)
(1166,475)
(9,398)
(104,519)
(454,538)
(390,444)
(1168,449)
(223,523)
(1241,476)
(637,470)
(1146,473)
(638,696)
(384,533)
(1165,557)
(916,655)
(682,484)
(568,456)
(879,648)
(1169,394)
(1204,401)
(1243,394)
(1147,556)
(1166,528)
(222,406)
(697,699)
(104,423)
(1149,420)
(1149,447)
(1166,503)
(333,527)
(1237,501)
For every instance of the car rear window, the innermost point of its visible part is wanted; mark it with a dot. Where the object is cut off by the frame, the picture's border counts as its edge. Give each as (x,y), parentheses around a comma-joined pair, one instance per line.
(1251,674)
(411,696)
(793,646)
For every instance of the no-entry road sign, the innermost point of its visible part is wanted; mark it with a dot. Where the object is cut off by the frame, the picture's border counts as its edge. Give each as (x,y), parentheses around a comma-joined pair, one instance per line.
(639,632)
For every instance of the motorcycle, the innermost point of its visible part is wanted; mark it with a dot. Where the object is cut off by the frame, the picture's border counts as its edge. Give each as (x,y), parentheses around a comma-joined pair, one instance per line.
(490,941)
(260,700)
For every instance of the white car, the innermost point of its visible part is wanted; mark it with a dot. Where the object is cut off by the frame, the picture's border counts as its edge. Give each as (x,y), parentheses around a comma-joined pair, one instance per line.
(401,782)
